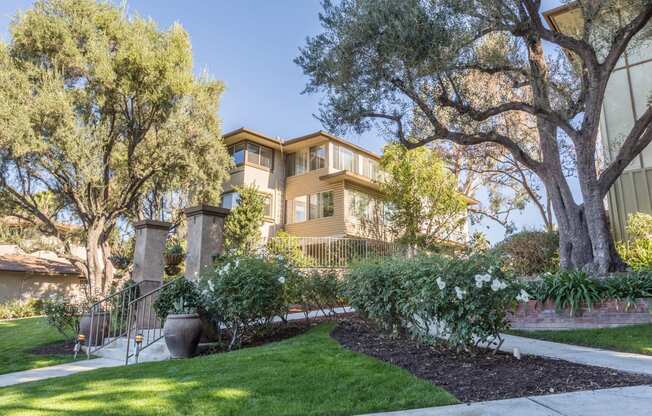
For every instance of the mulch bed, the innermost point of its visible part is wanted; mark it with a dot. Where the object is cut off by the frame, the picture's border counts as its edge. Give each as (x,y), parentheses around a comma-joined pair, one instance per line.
(56,348)
(273,333)
(483,376)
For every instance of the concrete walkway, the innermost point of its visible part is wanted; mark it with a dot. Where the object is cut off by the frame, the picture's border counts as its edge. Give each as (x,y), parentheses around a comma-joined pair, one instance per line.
(623,361)
(620,401)
(60,370)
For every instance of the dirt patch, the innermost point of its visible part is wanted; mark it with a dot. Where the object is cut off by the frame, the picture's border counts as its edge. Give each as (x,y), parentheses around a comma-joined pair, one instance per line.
(481,377)
(56,348)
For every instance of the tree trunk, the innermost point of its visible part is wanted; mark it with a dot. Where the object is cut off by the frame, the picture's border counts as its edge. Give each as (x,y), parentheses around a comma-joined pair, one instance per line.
(100,272)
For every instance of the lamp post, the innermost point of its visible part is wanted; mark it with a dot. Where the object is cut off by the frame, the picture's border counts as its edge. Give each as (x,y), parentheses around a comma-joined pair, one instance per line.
(139,340)
(80,340)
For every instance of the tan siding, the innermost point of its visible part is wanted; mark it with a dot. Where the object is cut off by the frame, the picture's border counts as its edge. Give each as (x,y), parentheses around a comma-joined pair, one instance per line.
(320,227)
(15,285)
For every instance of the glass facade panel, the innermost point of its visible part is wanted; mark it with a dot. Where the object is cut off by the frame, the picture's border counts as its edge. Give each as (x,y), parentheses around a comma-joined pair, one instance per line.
(253,153)
(237,152)
(343,159)
(640,48)
(618,109)
(266,157)
(314,206)
(641,77)
(267,207)
(327,206)
(299,209)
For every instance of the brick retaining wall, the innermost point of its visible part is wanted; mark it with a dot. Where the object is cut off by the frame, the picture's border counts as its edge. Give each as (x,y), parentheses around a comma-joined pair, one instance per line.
(536,316)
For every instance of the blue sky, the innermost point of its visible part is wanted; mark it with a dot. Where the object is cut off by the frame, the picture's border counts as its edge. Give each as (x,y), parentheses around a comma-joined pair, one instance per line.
(250,46)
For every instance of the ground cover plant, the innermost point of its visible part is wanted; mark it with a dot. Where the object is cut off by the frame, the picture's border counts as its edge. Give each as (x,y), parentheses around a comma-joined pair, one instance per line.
(21,343)
(276,379)
(17,308)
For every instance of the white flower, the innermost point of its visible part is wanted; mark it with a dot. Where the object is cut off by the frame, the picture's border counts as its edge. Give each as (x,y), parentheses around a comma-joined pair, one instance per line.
(210,285)
(281,279)
(481,278)
(237,263)
(459,293)
(496,285)
(441,283)
(523,296)
(280,258)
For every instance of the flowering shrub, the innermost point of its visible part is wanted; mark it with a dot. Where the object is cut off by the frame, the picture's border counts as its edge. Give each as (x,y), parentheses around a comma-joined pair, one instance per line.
(245,292)
(462,300)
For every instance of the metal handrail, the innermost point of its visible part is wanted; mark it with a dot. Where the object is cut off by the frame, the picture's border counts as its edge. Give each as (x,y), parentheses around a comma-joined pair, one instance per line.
(142,317)
(113,328)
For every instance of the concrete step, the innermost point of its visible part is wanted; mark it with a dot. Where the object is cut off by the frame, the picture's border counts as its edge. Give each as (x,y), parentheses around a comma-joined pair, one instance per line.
(117,350)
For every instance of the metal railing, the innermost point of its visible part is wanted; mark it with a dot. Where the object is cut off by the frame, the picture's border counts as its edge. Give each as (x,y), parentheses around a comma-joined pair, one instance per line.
(144,326)
(109,319)
(331,252)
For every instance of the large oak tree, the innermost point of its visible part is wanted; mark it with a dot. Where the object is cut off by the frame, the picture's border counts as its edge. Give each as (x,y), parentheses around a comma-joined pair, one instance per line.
(378,60)
(98,108)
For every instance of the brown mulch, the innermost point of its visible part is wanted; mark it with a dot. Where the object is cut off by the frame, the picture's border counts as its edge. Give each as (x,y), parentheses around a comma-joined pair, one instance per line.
(483,376)
(56,348)
(272,333)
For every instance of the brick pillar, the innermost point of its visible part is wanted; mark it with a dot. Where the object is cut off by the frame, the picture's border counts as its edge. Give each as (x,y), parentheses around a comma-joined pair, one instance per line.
(205,237)
(149,264)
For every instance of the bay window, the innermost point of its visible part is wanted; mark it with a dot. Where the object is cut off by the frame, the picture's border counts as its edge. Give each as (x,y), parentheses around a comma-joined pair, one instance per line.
(252,153)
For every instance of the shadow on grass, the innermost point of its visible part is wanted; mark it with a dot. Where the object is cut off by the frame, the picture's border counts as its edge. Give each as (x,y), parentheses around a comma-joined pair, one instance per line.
(307,375)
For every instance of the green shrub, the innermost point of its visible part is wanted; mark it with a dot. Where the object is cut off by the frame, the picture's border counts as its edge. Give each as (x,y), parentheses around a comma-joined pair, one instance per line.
(63,314)
(637,252)
(530,253)
(245,292)
(287,247)
(17,308)
(315,289)
(572,290)
(463,300)
(627,287)
(178,297)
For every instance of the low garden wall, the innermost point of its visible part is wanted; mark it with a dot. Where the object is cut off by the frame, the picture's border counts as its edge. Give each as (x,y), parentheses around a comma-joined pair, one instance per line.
(537,316)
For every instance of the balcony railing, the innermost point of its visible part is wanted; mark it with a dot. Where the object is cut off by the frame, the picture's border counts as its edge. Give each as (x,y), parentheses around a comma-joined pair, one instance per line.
(331,252)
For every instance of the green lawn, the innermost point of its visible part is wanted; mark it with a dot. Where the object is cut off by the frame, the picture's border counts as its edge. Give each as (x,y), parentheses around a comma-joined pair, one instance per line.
(635,338)
(19,336)
(307,375)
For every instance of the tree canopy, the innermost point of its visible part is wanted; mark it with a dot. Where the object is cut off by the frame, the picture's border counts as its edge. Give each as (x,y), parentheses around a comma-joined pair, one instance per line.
(388,62)
(100,108)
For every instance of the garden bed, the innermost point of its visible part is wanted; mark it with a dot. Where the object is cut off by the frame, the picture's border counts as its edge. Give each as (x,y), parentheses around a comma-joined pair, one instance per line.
(56,348)
(481,377)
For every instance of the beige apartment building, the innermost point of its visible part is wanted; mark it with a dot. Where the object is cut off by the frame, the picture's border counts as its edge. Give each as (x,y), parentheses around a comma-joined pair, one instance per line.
(317,185)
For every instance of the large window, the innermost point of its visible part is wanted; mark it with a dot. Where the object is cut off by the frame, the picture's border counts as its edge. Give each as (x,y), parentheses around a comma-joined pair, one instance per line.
(267,207)
(370,168)
(230,200)
(253,153)
(318,157)
(296,163)
(319,205)
(343,158)
(237,152)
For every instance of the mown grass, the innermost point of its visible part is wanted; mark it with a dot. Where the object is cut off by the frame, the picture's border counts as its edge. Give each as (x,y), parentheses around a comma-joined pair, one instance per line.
(307,375)
(635,338)
(18,337)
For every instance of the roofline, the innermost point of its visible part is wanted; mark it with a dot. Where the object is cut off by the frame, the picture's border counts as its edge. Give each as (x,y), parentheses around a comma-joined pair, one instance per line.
(253,133)
(550,14)
(334,138)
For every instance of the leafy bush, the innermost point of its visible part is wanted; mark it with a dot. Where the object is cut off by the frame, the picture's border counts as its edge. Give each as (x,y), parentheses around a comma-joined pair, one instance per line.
(245,292)
(17,308)
(178,297)
(573,289)
(637,252)
(464,300)
(242,225)
(287,247)
(315,289)
(63,314)
(530,253)
(628,287)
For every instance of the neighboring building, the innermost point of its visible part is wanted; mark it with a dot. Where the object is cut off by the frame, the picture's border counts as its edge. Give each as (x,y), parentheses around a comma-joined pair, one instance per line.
(316,185)
(626,98)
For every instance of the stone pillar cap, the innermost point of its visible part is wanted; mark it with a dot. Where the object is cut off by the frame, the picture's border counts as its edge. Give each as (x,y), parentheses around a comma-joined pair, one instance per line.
(160,225)
(209,210)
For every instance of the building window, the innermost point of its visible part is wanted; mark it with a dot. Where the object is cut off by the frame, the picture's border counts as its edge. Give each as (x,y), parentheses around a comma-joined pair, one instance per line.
(321,205)
(296,163)
(230,200)
(318,157)
(253,153)
(370,168)
(237,153)
(267,207)
(343,158)
(299,210)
